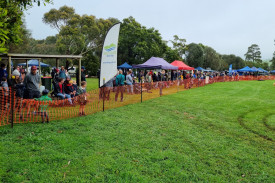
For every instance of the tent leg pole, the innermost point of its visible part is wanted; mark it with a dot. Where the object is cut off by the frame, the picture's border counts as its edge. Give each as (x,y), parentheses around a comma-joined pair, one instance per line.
(141,88)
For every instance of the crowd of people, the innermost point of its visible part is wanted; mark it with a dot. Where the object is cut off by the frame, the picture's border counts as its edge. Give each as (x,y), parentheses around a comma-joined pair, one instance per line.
(27,86)
(126,80)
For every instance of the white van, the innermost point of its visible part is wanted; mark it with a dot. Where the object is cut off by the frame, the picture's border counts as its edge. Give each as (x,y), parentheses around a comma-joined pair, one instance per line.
(72,71)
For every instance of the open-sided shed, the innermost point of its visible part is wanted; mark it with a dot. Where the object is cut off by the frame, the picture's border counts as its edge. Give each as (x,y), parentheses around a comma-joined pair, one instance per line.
(26,57)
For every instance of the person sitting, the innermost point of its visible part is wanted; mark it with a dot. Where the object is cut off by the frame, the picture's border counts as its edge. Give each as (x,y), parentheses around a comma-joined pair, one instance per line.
(59,90)
(75,87)
(4,88)
(69,88)
(44,103)
(82,75)
(3,72)
(19,87)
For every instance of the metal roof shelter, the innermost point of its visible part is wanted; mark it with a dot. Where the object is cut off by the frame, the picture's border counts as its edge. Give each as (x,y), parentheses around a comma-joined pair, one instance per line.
(27,57)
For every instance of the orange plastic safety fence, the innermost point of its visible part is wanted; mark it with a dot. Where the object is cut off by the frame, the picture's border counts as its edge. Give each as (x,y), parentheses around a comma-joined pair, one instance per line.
(29,110)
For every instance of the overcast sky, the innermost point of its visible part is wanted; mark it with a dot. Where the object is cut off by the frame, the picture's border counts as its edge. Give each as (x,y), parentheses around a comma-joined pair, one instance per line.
(228,26)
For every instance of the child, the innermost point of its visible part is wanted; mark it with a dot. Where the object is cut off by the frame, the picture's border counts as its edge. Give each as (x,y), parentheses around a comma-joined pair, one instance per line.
(82,98)
(44,103)
(5,86)
(74,87)
(4,89)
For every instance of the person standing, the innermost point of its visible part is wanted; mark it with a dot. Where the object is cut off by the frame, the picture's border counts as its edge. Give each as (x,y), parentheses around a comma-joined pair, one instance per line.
(3,72)
(129,82)
(82,98)
(62,73)
(82,75)
(44,102)
(108,87)
(31,83)
(120,85)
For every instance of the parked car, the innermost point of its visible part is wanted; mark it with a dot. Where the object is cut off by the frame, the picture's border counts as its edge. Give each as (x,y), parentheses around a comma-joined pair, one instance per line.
(72,70)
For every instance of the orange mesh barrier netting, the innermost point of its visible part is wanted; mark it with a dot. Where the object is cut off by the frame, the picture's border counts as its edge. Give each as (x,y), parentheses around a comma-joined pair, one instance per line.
(29,110)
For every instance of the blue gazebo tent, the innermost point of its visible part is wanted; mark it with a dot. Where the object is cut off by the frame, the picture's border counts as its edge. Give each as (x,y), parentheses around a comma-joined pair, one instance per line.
(261,70)
(245,69)
(272,71)
(34,63)
(199,69)
(254,69)
(125,66)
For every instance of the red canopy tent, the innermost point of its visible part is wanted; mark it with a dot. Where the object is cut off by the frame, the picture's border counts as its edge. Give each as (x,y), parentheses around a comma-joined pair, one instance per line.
(181,65)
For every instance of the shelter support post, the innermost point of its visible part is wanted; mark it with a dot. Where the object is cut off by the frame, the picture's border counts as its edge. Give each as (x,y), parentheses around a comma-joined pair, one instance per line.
(9,68)
(140,88)
(39,65)
(39,71)
(27,66)
(79,71)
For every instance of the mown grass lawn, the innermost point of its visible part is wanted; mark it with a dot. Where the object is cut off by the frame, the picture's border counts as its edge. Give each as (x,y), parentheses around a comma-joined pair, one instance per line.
(92,83)
(219,133)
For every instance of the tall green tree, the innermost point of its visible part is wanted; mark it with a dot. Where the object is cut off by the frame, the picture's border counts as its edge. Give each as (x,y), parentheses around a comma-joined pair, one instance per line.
(179,45)
(211,58)
(272,66)
(237,62)
(194,55)
(11,12)
(138,43)
(171,55)
(78,34)
(253,54)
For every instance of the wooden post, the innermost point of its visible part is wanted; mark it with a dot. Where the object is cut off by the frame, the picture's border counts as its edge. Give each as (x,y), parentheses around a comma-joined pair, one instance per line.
(39,65)
(27,66)
(39,71)
(9,68)
(140,87)
(79,71)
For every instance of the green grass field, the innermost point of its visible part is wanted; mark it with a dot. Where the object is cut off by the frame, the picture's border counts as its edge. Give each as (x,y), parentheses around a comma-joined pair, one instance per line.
(92,83)
(222,132)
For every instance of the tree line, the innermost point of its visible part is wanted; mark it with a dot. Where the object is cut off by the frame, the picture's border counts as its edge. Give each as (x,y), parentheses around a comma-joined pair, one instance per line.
(84,34)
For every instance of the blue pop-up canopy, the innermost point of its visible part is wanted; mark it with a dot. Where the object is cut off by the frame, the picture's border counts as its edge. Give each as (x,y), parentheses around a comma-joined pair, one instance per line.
(245,69)
(34,63)
(261,70)
(199,69)
(125,66)
(254,69)
(272,71)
